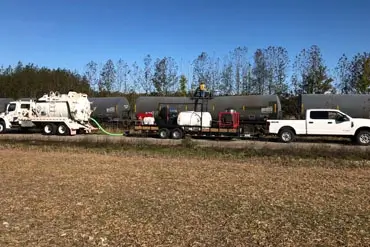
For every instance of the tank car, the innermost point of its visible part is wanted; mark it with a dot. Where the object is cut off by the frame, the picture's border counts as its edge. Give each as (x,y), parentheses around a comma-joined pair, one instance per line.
(154,103)
(3,103)
(355,105)
(108,109)
(252,108)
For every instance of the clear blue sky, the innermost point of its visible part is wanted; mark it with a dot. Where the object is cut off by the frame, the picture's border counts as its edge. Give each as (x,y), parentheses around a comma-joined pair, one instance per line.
(70,33)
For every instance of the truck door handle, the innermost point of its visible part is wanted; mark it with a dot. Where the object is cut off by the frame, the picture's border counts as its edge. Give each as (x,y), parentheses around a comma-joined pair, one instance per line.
(310,122)
(330,122)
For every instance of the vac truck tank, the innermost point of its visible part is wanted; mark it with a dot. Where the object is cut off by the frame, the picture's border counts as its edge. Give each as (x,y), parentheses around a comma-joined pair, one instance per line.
(192,118)
(72,105)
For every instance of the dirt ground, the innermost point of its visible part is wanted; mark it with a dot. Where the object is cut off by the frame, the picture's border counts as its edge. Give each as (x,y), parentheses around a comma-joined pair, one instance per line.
(82,198)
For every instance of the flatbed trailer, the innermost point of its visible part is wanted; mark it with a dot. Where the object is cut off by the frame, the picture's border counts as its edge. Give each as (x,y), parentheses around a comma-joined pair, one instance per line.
(179,133)
(173,131)
(168,123)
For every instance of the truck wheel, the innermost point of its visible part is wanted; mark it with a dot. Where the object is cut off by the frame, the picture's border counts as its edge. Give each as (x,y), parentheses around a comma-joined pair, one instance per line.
(49,129)
(63,129)
(363,138)
(164,133)
(286,135)
(2,127)
(176,134)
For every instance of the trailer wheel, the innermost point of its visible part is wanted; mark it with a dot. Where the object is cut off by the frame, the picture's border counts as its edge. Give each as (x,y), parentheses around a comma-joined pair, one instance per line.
(2,126)
(363,138)
(286,135)
(176,134)
(63,129)
(49,129)
(164,133)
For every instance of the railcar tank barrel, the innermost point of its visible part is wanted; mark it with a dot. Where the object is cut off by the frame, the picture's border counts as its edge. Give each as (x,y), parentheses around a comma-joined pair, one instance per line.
(355,105)
(3,103)
(250,107)
(151,103)
(111,108)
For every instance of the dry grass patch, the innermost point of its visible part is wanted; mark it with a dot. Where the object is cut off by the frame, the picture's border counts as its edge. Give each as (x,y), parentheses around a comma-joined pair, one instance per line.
(95,199)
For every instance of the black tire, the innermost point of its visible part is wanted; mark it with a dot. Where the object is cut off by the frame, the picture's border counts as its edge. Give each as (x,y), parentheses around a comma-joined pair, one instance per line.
(363,138)
(176,134)
(164,133)
(2,127)
(286,135)
(48,129)
(63,130)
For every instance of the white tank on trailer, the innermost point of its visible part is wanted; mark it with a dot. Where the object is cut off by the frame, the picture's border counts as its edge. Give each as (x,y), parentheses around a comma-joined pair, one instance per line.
(192,118)
(148,121)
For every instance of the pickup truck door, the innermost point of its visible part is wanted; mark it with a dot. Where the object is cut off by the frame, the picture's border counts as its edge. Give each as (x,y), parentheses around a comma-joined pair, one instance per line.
(342,125)
(327,123)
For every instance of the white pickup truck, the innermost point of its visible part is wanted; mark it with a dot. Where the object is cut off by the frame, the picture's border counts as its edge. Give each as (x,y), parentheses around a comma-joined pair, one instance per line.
(322,122)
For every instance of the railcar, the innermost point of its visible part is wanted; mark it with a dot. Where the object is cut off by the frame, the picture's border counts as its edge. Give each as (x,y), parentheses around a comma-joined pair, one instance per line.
(355,105)
(110,109)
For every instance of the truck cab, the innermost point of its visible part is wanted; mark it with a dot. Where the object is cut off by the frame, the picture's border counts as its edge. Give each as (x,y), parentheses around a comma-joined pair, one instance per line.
(13,112)
(322,122)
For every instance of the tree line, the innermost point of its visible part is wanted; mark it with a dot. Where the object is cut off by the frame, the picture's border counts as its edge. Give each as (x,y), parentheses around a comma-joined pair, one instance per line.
(265,71)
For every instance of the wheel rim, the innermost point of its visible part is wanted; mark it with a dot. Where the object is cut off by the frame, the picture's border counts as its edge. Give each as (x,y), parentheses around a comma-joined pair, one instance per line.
(286,136)
(1,128)
(47,129)
(62,129)
(365,138)
(176,134)
(162,134)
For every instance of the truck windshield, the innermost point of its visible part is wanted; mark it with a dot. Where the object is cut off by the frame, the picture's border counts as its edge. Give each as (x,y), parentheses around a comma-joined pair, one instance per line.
(11,107)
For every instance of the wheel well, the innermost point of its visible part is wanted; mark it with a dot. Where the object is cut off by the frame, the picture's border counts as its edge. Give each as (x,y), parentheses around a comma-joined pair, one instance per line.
(362,128)
(287,127)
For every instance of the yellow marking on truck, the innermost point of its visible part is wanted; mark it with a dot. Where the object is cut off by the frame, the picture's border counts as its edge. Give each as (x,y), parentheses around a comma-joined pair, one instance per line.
(275,108)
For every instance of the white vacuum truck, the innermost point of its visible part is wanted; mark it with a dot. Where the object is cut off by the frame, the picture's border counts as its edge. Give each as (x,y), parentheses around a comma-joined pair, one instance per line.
(54,113)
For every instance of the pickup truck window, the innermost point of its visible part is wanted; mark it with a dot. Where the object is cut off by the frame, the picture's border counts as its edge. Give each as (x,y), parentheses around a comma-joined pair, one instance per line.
(319,115)
(323,114)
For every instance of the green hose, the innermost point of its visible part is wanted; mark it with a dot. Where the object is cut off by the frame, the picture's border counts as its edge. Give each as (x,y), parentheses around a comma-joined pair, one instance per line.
(106,132)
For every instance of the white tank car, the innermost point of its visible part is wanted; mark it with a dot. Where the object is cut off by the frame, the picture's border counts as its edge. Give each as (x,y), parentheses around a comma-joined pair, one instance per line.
(61,105)
(192,118)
